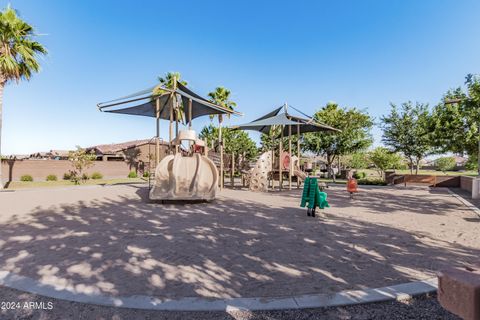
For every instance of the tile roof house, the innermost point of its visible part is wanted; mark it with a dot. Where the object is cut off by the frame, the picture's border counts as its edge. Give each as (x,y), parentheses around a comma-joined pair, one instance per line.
(133,151)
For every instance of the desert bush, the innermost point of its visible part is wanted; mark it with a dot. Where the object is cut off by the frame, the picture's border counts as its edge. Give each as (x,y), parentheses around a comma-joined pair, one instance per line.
(97,175)
(146,174)
(67,176)
(52,177)
(85,177)
(132,174)
(26,178)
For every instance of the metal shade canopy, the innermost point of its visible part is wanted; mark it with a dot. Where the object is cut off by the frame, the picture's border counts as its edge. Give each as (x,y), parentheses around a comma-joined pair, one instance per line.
(308,125)
(264,124)
(143,103)
(275,118)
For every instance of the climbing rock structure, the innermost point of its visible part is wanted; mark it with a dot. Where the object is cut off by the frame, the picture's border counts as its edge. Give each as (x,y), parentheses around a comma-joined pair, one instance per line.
(258,177)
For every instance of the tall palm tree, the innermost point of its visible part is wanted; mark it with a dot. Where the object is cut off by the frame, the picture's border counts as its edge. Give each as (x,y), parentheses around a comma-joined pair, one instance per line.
(18,54)
(167,82)
(221,97)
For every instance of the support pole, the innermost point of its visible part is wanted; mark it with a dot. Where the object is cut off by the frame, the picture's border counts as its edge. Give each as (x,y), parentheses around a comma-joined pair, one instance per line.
(273,159)
(157,142)
(170,128)
(232,171)
(189,114)
(220,141)
(177,111)
(290,165)
(298,151)
(190,143)
(272,180)
(280,171)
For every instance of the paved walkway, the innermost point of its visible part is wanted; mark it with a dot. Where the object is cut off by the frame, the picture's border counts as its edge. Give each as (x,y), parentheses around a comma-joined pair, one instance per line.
(109,241)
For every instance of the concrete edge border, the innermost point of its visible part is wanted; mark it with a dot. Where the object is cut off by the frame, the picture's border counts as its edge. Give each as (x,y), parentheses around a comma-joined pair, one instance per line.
(343,298)
(467,203)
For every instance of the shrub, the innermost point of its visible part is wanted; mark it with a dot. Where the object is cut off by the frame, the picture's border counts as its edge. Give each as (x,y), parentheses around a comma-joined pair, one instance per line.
(374,182)
(146,174)
(67,176)
(26,178)
(85,177)
(359,175)
(132,174)
(52,177)
(445,164)
(97,175)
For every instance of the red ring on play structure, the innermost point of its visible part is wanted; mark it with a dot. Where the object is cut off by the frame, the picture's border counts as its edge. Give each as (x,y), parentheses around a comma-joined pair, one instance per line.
(285,160)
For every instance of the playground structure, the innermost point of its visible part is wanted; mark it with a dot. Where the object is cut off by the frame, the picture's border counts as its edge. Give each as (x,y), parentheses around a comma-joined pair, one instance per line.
(191,177)
(262,175)
(268,170)
(186,173)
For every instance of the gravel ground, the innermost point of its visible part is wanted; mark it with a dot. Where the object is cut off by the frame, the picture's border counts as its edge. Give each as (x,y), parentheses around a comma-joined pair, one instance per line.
(423,307)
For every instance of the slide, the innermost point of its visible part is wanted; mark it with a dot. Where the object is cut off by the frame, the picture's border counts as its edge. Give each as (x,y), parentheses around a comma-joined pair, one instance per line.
(189,177)
(185,178)
(296,169)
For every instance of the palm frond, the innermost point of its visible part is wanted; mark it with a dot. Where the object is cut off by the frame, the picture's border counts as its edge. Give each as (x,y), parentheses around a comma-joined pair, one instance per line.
(18,51)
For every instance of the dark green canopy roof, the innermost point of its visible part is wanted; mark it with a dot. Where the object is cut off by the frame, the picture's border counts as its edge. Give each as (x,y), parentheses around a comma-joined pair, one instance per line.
(278,118)
(264,124)
(143,103)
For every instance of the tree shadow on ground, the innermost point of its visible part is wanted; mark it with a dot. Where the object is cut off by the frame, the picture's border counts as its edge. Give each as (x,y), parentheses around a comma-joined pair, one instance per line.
(423,307)
(382,200)
(228,248)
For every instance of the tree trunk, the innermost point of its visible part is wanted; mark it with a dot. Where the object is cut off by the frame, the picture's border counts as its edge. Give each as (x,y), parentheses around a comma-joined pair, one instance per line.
(417,163)
(2,86)
(330,160)
(410,164)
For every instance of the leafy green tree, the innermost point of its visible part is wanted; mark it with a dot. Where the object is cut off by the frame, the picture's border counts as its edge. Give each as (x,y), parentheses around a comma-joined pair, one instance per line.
(456,121)
(18,54)
(271,140)
(408,131)
(384,159)
(355,136)
(236,141)
(358,160)
(445,164)
(81,160)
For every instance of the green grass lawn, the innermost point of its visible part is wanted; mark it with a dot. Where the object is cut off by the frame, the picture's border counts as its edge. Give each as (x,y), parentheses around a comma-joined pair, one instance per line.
(373,174)
(62,183)
(440,173)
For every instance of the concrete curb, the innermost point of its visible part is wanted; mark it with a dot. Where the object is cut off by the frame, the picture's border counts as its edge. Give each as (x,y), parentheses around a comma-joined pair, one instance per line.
(396,292)
(467,203)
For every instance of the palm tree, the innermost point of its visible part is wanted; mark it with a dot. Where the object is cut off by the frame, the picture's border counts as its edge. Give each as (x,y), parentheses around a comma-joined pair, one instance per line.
(221,97)
(18,54)
(167,82)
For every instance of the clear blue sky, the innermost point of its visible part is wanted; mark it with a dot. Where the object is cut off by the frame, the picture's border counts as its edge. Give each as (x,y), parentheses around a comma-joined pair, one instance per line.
(356,53)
